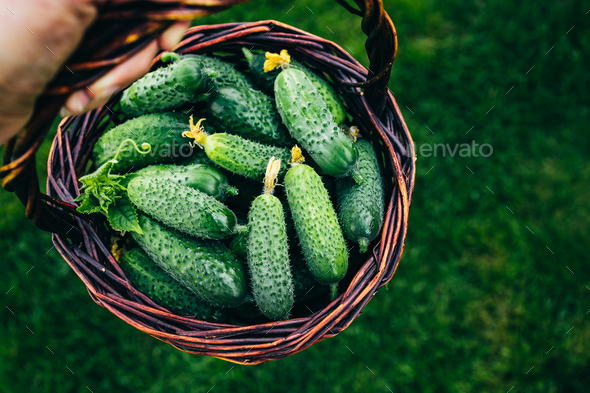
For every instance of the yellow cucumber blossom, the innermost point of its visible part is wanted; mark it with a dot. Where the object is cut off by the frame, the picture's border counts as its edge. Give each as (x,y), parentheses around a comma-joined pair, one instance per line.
(296,156)
(270,179)
(274,60)
(197,132)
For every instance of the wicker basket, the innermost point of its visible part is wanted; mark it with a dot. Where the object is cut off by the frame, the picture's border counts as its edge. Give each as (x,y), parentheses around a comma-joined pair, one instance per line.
(83,240)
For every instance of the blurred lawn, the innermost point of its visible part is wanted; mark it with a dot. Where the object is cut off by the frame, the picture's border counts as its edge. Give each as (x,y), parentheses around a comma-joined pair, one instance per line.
(483,290)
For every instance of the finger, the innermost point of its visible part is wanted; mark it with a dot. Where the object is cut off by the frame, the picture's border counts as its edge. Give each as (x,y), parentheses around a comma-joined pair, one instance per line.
(172,36)
(101,90)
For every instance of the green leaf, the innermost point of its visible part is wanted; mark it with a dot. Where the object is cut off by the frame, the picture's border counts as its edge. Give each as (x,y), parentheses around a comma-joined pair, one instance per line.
(123,217)
(88,205)
(101,189)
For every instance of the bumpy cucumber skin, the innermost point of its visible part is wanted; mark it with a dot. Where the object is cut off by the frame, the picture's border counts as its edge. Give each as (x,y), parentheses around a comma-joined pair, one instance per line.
(308,119)
(328,93)
(205,267)
(152,281)
(268,258)
(165,88)
(183,208)
(241,156)
(361,207)
(248,113)
(163,131)
(202,177)
(266,82)
(227,75)
(305,286)
(316,224)
(239,246)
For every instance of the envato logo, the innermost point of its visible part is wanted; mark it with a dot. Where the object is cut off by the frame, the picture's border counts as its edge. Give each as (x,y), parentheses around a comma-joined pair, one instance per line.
(171,150)
(463,150)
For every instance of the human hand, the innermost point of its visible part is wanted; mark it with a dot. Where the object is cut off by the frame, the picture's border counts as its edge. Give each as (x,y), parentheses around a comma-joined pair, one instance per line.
(36,39)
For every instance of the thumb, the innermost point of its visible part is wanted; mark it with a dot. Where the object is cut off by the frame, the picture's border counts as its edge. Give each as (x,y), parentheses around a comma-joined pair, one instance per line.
(99,92)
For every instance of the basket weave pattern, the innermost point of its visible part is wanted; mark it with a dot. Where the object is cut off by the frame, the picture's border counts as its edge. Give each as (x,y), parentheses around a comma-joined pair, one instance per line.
(121,30)
(107,284)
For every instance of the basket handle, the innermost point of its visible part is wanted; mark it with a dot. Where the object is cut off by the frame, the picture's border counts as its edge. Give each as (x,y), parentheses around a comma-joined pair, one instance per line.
(119,33)
(381,47)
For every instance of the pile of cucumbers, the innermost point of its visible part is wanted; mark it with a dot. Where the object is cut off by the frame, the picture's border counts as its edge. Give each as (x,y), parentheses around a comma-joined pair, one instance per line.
(217,181)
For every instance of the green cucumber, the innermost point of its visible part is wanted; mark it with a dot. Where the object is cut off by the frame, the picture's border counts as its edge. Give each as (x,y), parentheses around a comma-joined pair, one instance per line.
(147,277)
(305,286)
(202,177)
(236,154)
(307,118)
(167,87)
(163,131)
(222,73)
(247,113)
(205,267)
(328,93)
(266,81)
(183,208)
(268,251)
(316,222)
(239,245)
(361,207)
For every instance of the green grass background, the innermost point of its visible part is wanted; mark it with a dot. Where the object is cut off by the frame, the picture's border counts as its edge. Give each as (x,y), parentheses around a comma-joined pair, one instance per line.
(482,292)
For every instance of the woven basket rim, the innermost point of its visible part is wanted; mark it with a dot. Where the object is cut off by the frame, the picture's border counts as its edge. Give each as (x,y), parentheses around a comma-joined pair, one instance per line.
(99,271)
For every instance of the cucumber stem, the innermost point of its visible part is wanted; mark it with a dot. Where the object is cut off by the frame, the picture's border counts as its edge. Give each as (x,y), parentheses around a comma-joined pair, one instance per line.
(248,55)
(229,190)
(363,244)
(209,72)
(241,229)
(170,57)
(333,291)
